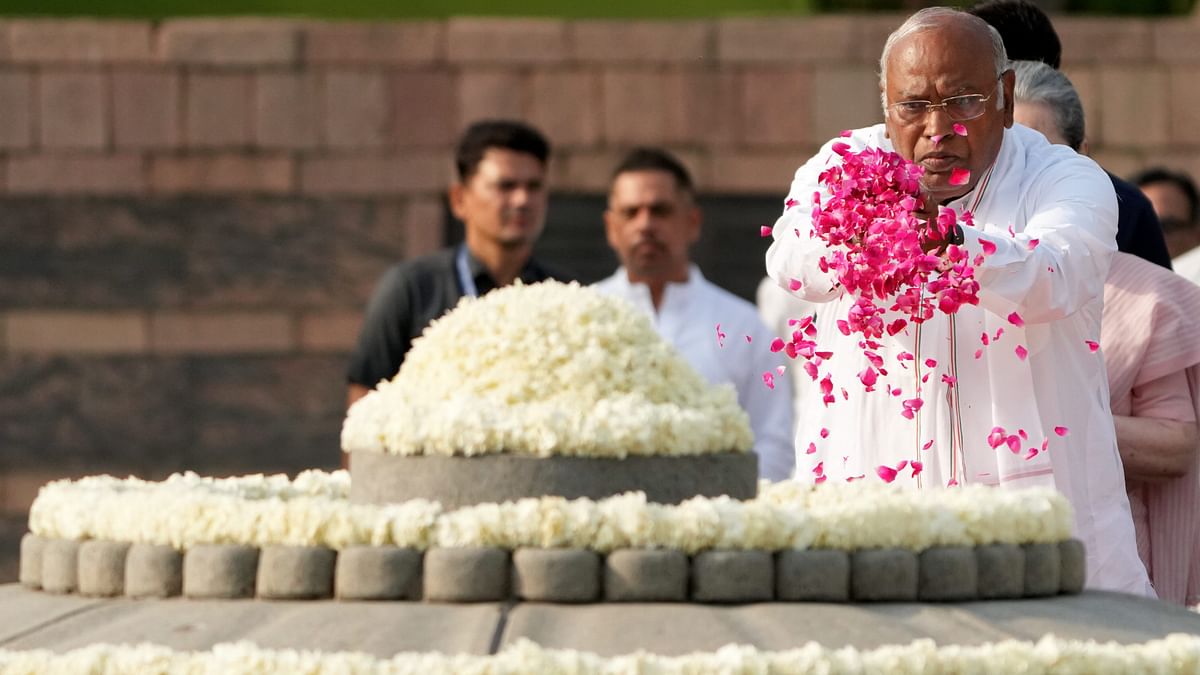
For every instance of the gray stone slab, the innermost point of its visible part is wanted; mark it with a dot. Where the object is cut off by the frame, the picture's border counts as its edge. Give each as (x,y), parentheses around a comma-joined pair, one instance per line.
(153,571)
(814,575)
(646,575)
(1043,570)
(24,610)
(102,568)
(1073,556)
(462,481)
(1001,569)
(378,573)
(60,566)
(295,572)
(883,574)
(556,575)
(682,628)
(733,576)
(379,628)
(948,573)
(30,572)
(220,571)
(466,574)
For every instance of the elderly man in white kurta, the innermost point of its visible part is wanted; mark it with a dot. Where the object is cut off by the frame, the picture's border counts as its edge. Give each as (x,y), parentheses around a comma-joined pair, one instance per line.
(1024,357)
(651,222)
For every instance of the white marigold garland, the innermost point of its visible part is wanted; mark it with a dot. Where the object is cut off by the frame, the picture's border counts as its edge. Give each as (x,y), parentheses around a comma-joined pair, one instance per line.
(313,510)
(1176,653)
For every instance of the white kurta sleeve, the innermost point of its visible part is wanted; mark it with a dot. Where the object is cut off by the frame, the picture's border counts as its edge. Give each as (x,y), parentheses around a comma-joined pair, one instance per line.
(795,252)
(1059,260)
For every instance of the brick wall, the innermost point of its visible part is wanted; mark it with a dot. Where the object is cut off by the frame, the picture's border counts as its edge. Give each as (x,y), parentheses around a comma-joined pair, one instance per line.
(193,212)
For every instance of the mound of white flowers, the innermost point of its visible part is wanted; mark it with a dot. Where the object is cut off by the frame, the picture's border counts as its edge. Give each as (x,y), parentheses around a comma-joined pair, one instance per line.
(546,369)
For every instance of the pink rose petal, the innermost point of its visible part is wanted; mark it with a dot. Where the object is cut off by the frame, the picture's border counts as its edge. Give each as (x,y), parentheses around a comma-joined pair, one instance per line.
(989,248)
(824,432)
(928,445)
(790,203)
(777,345)
(794,284)
(720,337)
(1014,443)
(1062,431)
(841,148)
(820,479)
(953,482)
(1092,345)
(930,363)
(887,473)
(999,332)
(937,138)
(1033,243)
(960,129)
(819,468)
(749,339)
(780,370)
(812,449)
(845,133)
(1016,320)
(764,231)
(960,176)
(918,466)
(1033,452)
(978,353)
(1021,352)
(769,379)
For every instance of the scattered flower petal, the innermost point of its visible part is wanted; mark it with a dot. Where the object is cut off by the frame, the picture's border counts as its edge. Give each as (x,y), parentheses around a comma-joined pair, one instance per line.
(918,466)
(1016,320)
(928,445)
(749,339)
(960,128)
(1033,452)
(824,433)
(960,176)
(887,473)
(1033,243)
(1021,352)
(1062,431)
(720,337)
(769,379)
(812,449)
(1092,345)
(794,284)
(978,353)
(764,231)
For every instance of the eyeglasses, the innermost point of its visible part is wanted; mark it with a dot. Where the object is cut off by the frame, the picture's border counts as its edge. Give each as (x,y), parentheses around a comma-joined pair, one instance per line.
(959,108)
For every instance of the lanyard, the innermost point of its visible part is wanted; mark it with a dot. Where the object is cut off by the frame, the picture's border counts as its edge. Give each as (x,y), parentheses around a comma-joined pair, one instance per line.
(465,280)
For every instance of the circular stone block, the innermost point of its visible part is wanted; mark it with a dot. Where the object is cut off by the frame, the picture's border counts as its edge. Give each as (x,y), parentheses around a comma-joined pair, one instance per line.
(295,572)
(153,571)
(646,575)
(102,568)
(733,576)
(220,571)
(378,478)
(1073,555)
(1001,571)
(1043,570)
(466,574)
(883,574)
(378,573)
(556,575)
(30,574)
(60,566)
(948,573)
(814,575)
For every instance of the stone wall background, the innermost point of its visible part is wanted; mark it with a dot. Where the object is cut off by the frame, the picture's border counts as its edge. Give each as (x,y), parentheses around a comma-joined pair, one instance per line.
(192,213)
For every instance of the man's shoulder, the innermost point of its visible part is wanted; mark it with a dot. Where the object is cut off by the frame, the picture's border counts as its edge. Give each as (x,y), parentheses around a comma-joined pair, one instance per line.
(423,267)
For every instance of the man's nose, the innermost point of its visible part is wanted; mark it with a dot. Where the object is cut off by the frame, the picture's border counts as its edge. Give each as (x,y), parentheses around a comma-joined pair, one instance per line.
(938,121)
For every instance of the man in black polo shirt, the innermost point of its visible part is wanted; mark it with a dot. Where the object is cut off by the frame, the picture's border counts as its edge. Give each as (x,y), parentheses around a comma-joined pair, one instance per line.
(501,198)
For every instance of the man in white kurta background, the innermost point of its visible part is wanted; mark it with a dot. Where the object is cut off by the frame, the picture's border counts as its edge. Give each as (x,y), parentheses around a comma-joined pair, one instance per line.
(651,223)
(1046,217)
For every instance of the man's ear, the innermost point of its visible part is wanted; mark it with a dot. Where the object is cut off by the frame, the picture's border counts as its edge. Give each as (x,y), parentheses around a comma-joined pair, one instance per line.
(1009,82)
(695,222)
(1085,148)
(456,195)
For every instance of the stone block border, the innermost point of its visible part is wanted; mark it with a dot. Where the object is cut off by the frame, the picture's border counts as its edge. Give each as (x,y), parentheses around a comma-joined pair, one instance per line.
(458,575)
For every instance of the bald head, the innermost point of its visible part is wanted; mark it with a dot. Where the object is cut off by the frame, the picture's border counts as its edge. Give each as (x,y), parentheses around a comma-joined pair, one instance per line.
(947,97)
(970,29)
